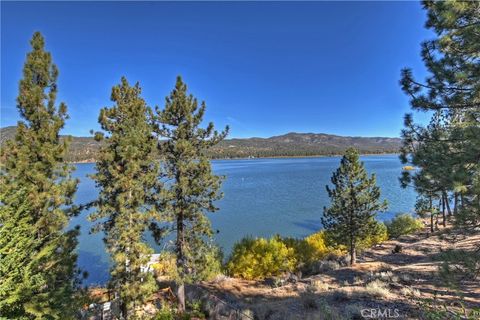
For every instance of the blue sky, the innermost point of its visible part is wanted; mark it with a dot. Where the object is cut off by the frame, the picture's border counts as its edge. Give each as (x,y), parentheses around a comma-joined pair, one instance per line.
(263,68)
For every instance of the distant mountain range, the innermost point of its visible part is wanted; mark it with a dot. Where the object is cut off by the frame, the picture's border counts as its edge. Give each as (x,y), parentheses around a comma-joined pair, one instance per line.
(83,149)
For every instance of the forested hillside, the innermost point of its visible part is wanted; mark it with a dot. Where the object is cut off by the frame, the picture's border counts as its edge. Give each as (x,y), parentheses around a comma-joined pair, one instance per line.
(291,144)
(303,144)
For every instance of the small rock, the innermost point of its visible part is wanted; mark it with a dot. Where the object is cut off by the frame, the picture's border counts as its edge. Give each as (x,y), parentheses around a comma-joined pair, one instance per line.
(398,248)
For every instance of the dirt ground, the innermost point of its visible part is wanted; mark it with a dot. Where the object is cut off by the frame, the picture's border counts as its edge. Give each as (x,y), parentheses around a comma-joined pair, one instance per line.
(381,285)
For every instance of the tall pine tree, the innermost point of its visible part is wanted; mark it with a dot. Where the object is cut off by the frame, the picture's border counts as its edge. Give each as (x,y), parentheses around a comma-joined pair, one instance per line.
(192,187)
(126,175)
(38,270)
(355,201)
(438,168)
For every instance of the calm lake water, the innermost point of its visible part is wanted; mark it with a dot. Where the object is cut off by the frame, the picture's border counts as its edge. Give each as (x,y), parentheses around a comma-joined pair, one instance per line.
(262,197)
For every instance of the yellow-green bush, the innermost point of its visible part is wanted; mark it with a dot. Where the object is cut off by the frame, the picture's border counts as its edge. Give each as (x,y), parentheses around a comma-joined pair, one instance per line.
(324,246)
(206,264)
(166,266)
(379,234)
(313,248)
(304,252)
(318,242)
(259,258)
(403,224)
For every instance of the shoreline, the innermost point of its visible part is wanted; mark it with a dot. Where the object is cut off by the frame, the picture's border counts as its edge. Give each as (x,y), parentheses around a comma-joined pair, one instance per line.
(270,157)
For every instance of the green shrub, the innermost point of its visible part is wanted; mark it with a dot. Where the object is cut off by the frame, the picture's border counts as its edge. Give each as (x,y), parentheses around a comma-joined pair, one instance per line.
(194,311)
(165,313)
(169,312)
(403,224)
(458,265)
(207,262)
(432,309)
(259,258)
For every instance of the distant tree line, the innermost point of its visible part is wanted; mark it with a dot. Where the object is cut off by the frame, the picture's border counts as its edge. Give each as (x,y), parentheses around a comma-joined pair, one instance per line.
(221,152)
(288,145)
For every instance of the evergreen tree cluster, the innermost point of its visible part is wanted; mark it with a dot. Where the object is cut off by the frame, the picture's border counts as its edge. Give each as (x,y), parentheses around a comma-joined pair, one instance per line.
(446,152)
(137,194)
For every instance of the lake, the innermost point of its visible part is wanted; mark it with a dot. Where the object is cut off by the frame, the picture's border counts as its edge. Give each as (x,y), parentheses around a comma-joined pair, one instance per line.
(262,197)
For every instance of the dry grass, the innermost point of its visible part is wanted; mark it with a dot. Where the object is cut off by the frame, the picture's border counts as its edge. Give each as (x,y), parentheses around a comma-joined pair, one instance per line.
(406,278)
(99,295)
(379,289)
(410,292)
(320,286)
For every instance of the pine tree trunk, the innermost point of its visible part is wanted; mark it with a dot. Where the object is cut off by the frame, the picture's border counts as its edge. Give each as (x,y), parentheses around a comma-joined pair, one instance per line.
(447,203)
(444,217)
(181,297)
(123,308)
(455,203)
(180,262)
(431,215)
(353,253)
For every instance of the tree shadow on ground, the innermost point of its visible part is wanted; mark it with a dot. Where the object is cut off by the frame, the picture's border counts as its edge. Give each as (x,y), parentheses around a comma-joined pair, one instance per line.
(397,259)
(332,304)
